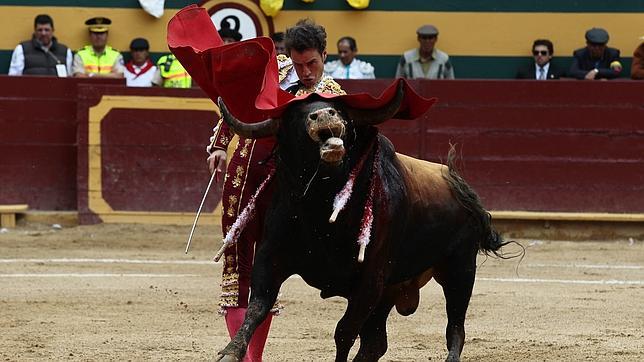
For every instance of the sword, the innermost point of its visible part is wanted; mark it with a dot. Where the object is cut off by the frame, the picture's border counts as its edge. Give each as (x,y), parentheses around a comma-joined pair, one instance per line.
(199,210)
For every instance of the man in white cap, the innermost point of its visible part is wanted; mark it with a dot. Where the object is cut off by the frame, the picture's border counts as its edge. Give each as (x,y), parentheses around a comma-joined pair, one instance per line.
(425,61)
(596,60)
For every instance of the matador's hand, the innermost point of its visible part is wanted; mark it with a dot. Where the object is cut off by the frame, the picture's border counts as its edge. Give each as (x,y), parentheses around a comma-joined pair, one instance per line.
(217,163)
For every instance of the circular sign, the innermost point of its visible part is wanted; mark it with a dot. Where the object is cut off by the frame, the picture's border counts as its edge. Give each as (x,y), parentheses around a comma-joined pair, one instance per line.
(245,16)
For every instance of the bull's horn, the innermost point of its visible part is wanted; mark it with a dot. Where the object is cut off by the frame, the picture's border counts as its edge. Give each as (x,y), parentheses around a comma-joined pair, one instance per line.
(366,117)
(261,129)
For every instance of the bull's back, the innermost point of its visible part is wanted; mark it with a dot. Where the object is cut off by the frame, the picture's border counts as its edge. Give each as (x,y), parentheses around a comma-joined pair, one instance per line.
(426,187)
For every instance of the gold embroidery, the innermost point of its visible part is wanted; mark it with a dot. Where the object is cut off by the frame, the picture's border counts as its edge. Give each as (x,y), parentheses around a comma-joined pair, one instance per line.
(229,290)
(244,151)
(325,85)
(284,65)
(224,140)
(229,267)
(237,180)
(232,200)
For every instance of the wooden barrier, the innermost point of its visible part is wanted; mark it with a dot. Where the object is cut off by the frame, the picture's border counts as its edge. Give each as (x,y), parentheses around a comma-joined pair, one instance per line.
(8,214)
(138,154)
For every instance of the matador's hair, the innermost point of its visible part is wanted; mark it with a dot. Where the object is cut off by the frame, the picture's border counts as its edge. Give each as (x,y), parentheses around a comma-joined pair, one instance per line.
(306,34)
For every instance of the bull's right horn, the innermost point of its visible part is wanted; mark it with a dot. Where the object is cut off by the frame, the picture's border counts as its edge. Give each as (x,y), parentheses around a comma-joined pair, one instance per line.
(261,129)
(376,116)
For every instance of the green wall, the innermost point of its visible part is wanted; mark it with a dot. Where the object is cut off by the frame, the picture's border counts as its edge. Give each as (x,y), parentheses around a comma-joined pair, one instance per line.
(465,66)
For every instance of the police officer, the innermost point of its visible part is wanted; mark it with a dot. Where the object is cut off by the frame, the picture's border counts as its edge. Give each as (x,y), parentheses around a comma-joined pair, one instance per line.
(98,59)
(171,74)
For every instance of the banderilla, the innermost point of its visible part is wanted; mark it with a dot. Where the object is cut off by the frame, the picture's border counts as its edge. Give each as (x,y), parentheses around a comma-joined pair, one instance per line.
(194,225)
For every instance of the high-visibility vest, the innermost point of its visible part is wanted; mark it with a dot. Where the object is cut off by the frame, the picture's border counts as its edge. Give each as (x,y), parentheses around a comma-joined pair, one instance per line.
(173,73)
(98,63)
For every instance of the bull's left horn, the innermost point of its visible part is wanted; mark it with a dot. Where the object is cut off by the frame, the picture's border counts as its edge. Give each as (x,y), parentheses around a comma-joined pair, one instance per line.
(261,129)
(366,117)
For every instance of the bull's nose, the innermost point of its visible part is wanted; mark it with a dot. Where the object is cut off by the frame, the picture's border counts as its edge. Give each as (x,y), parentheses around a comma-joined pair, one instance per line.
(322,114)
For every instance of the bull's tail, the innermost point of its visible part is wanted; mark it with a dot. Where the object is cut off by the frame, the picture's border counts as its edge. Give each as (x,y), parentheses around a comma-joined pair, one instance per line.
(489,241)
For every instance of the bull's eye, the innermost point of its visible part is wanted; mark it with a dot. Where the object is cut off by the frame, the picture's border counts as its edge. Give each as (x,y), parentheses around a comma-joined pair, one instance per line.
(332,112)
(313,116)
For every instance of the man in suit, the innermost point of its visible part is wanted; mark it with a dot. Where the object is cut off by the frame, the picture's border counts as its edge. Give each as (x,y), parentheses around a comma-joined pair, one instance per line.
(596,60)
(542,68)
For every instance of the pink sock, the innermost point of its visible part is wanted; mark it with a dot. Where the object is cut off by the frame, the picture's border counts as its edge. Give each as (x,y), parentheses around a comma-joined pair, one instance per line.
(234,320)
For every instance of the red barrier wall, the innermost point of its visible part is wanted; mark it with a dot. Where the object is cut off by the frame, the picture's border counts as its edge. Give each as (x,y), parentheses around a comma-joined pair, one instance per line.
(38,141)
(538,146)
(142,153)
(535,146)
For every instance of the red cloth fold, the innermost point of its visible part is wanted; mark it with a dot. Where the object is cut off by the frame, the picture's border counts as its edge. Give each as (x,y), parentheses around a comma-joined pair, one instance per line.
(245,73)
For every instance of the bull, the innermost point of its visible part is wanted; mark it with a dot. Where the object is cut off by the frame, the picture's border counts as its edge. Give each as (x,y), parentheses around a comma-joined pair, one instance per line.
(403,222)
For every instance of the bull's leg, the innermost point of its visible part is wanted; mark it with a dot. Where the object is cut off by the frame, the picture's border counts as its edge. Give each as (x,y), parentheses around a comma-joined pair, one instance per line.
(361,304)
(457,280)
(265,284)
(373,335)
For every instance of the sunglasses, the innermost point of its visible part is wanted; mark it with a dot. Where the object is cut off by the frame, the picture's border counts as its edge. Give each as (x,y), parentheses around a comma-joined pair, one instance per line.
(427,37)
(539,52)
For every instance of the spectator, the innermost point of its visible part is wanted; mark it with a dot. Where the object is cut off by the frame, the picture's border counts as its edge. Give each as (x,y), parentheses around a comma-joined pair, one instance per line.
(43,54)
(280,45)
(596,60)
(98,59)
(426,61)
(171,74)
(637,68)
(542,68)
(139,71)
(348,67)
(228,34)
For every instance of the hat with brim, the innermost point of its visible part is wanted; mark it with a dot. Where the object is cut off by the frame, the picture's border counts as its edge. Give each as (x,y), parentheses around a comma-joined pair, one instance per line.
(597,36)
(427,30)
(230,33)
(98,24)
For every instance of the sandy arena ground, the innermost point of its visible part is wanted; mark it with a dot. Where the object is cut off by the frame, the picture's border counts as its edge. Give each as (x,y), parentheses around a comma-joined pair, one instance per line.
(128,292)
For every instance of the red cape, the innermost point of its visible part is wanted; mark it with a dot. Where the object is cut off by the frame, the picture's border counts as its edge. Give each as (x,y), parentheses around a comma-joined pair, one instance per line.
(245,74)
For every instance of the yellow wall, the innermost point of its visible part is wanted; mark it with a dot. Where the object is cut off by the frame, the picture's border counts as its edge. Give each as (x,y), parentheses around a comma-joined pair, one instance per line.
(377,32)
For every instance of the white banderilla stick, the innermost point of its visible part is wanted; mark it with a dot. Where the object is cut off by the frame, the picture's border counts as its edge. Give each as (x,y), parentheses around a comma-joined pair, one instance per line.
(199,210)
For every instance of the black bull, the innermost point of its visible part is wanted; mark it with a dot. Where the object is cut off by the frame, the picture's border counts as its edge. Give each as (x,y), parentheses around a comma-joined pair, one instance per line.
(427,223)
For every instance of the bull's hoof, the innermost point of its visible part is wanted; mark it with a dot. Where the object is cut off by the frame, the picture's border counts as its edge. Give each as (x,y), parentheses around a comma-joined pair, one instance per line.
(453,357)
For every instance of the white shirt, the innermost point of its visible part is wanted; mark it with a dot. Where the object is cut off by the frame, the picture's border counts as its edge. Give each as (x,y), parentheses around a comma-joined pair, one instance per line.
(357,69)
(143,80)
(17,65)
(537,72)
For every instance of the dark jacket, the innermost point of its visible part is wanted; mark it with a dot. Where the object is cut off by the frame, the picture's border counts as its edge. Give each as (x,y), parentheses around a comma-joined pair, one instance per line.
(528,72)
(582,63)
(40,62)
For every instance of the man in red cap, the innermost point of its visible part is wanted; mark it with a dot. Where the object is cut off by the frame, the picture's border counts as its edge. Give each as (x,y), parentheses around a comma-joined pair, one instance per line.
(249,166)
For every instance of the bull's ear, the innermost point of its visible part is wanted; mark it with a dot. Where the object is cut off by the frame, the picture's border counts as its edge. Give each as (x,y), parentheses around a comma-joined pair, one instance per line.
(261,129)
(375,116)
